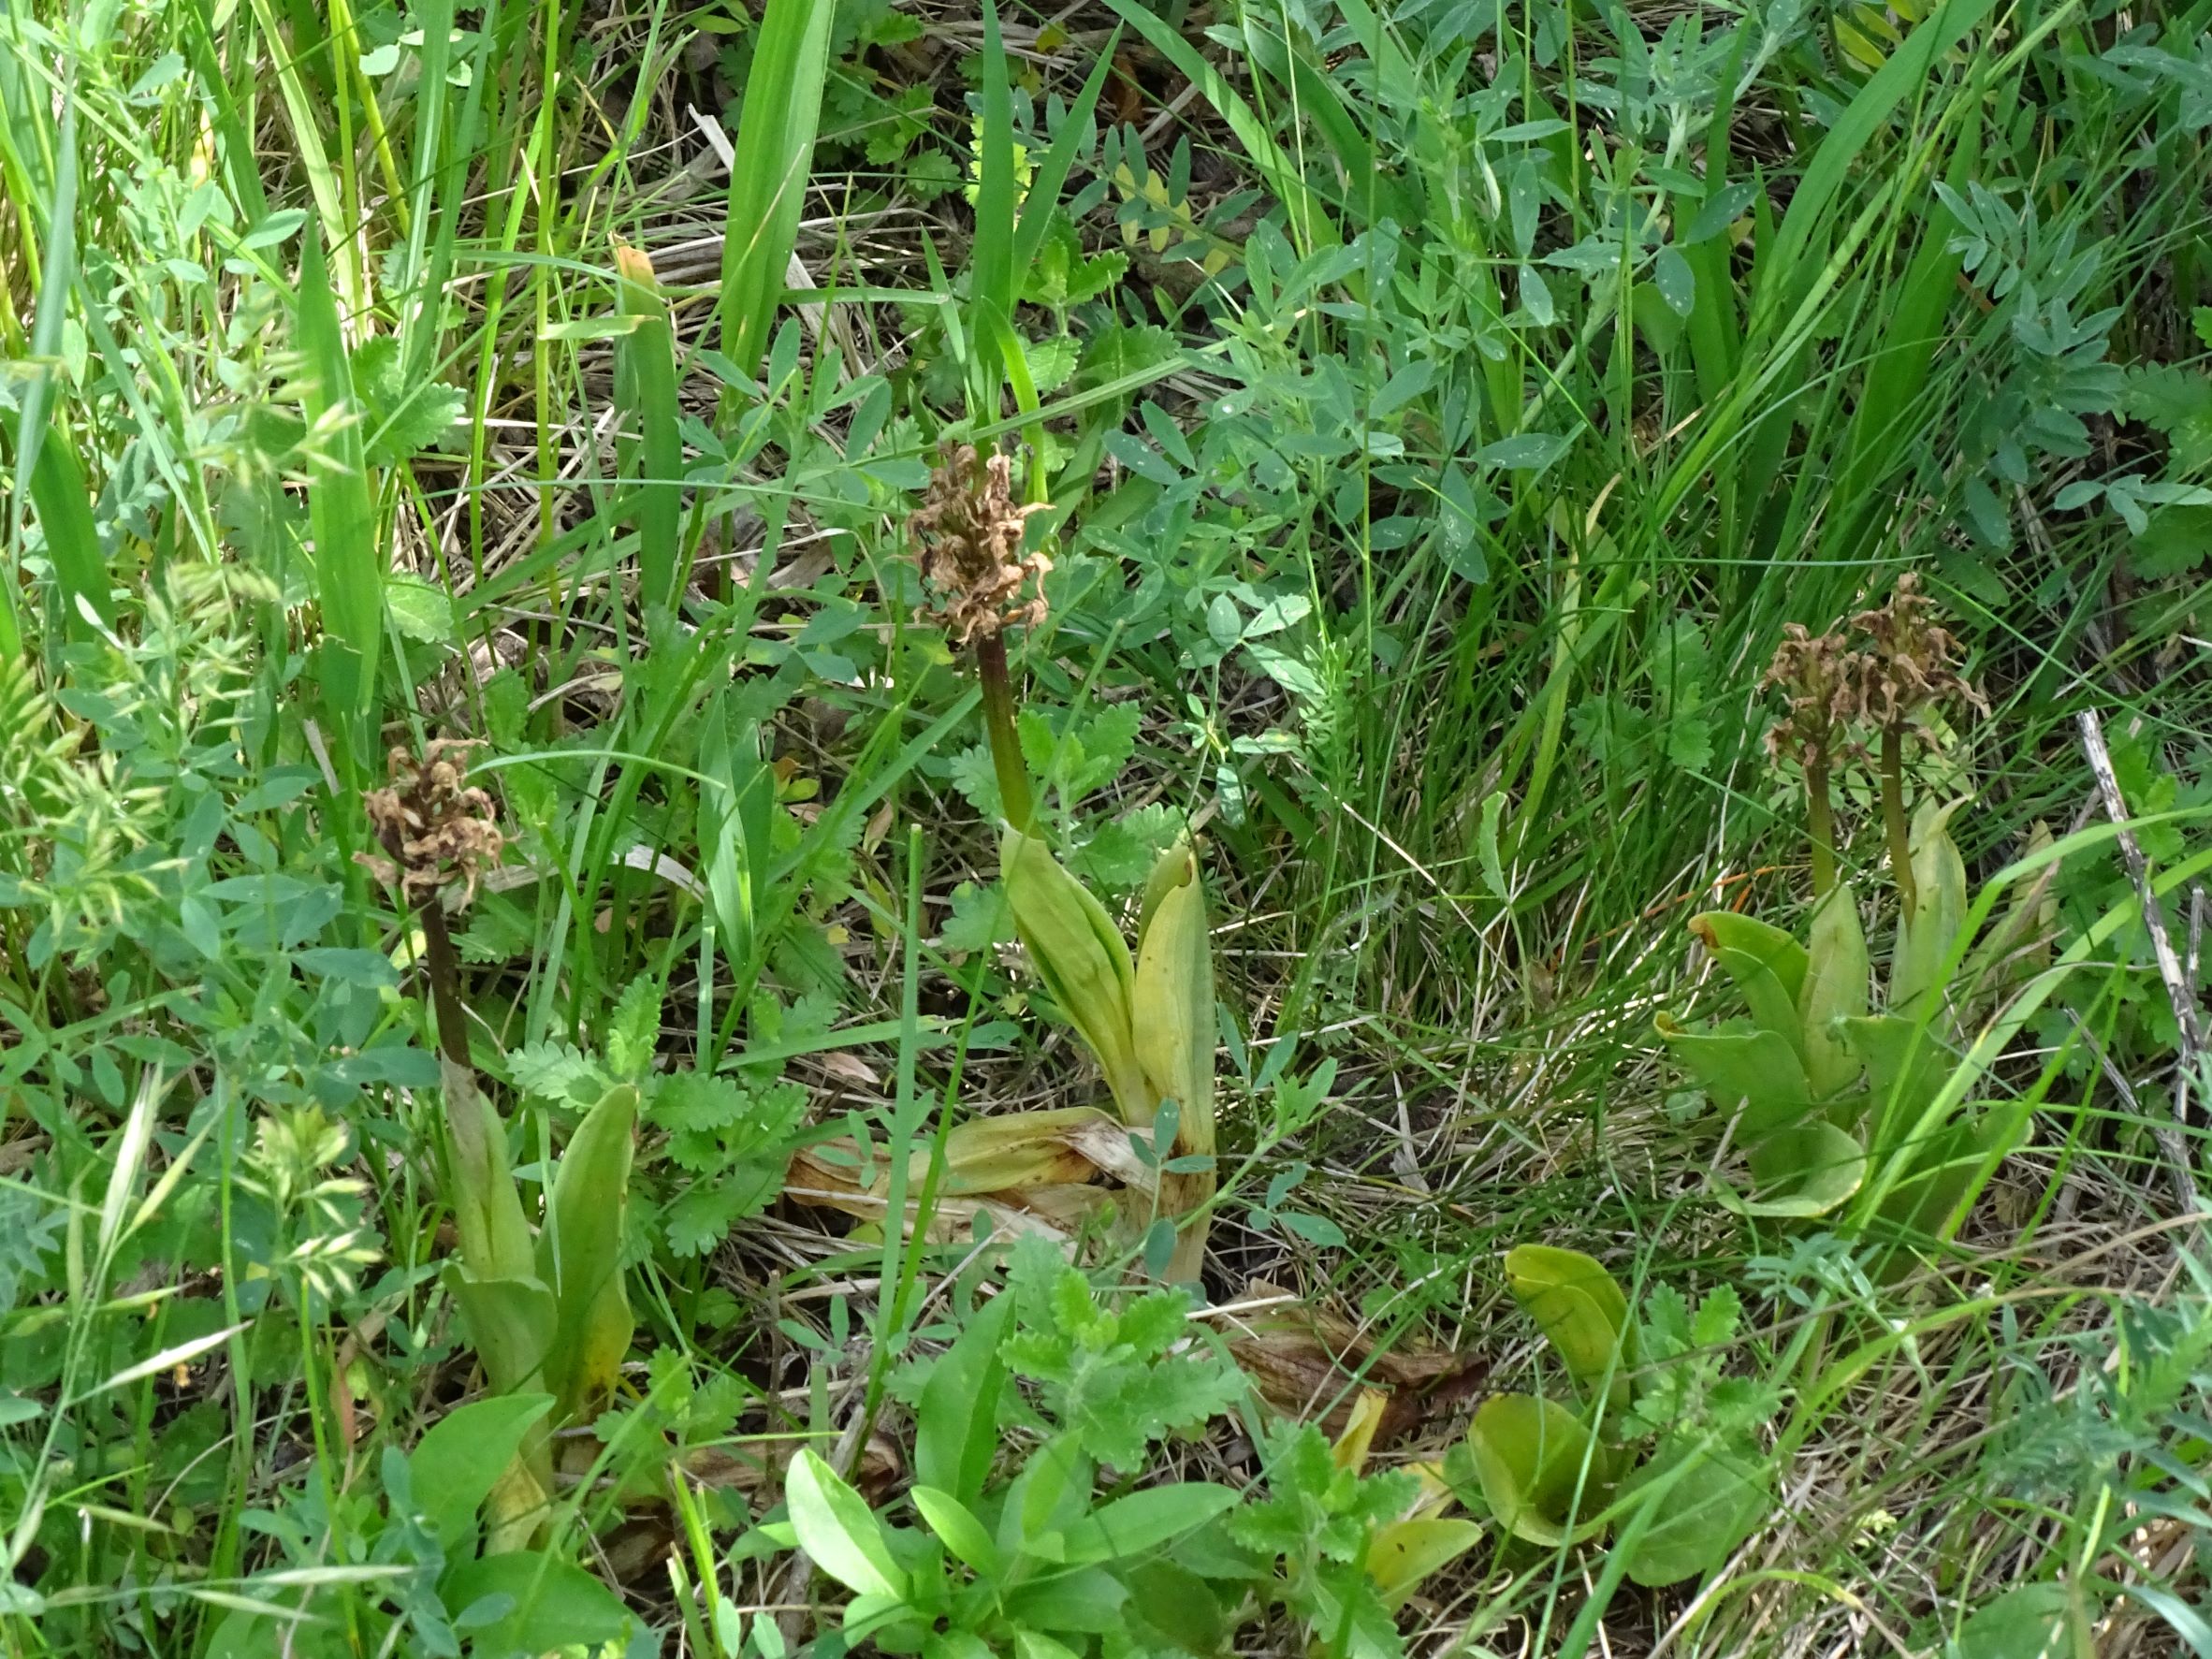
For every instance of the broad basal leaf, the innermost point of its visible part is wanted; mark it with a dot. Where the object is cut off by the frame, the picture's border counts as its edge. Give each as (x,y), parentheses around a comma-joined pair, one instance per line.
(1531,1455)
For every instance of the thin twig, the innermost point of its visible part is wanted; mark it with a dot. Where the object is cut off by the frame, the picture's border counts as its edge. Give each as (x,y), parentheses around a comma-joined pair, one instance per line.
(2187,1016)
(2180,1164)
(2186,1012)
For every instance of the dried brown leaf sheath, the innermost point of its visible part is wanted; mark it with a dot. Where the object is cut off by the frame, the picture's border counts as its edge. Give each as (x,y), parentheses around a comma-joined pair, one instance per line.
(1307,1359)
(1031,1172)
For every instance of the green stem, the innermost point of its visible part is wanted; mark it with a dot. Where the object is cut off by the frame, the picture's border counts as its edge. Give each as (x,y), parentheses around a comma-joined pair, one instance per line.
(1006,743)
(1893,819)
(1820,822)
(444,972)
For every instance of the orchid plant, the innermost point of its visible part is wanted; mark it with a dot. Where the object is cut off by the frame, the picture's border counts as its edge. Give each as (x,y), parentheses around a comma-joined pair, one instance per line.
(1829,1093)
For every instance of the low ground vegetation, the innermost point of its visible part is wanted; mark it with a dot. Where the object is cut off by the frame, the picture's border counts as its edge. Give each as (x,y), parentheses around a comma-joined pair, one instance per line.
(1151,830)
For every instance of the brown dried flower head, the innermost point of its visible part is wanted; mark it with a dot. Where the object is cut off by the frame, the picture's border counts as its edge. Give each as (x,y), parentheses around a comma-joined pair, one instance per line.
(435,830)
(1818,676)
(967,536)
(1911,660)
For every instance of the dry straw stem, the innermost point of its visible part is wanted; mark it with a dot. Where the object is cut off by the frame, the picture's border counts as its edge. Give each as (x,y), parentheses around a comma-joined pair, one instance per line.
(2187,1016)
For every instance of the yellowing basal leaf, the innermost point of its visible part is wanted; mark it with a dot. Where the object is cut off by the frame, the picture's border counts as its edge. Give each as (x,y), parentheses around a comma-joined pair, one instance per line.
(1766,964)
(1086,965)
(1529,1456)
(1580,1308)
(580,1254)
(1835,988)
(1925,939)
(1173,1027)
(1403,1554)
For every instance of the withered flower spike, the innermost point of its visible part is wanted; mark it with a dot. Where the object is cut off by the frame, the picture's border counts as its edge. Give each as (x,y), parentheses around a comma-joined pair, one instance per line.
(967,536)
(433,828)
(1820,679)
(1912,662)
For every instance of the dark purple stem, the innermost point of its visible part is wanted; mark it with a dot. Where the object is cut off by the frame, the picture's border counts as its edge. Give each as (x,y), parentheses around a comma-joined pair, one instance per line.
(998,720)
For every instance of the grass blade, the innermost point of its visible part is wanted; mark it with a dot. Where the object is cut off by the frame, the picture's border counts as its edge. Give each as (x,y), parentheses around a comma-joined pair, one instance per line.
(1915,329)
(349,575)
(1906,72)
(47,472)
(648,388)
(322,181)
(130,1159)
(768,182)
(991,267)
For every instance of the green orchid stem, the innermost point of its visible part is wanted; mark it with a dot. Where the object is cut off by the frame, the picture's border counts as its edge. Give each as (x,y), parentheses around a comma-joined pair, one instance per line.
(1821,823)
(1006,743)
(1893,818)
